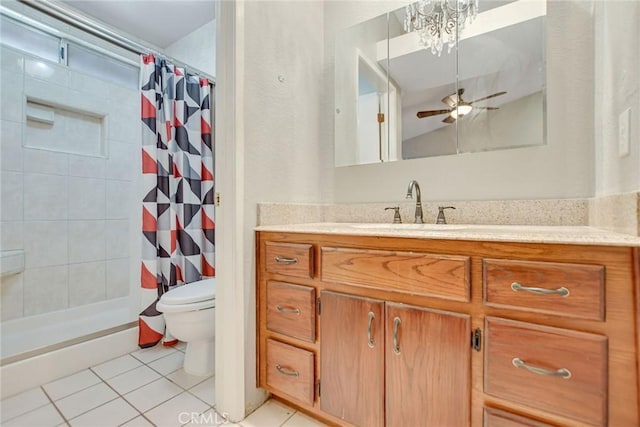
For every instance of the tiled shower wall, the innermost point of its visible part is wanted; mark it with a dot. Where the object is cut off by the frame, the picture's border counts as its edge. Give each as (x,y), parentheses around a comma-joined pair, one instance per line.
(71,214)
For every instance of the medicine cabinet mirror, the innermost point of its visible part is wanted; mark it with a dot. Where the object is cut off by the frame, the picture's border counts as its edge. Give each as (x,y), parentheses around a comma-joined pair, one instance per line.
(396,100)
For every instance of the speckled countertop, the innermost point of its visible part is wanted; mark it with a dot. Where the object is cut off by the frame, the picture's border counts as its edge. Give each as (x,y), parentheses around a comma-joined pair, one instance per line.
(501,233)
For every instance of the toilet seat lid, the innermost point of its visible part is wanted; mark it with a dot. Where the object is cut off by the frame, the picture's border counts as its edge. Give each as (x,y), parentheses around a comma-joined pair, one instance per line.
(202,290)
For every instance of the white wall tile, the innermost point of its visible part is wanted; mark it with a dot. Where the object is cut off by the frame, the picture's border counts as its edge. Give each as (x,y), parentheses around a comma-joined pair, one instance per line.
(47,71)
(10,60)
(45,290)
(86,166)
(11,288)
(45,243)
(121,163)
(89,85)
(87,283)
(11,235)
(86,198)
(45,161)
(11,196)
(11,146)
(119,195)
(117,235)
(45,197)
(11,101)
(87,241)
(124,127)
(118,278)
(45,91)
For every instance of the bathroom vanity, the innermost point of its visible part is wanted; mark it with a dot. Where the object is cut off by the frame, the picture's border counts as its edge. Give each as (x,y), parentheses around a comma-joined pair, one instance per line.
(409,325)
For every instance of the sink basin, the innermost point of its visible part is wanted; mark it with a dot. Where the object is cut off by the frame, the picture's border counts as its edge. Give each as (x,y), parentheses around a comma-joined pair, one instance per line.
(423,227)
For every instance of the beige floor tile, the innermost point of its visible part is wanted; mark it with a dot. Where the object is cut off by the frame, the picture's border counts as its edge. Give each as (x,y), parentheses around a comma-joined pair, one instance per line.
(167,364)
(152,394)
(116,366)
(177,411)
(45,416)
(185,380)
(205,391)
(71,384)
(85,400)
(271,414)
(146,355)
(301,420)
(112,413)
(22,403)
(131,380)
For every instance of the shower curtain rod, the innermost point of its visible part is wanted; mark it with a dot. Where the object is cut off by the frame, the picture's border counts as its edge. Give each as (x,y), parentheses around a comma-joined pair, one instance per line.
(86,24)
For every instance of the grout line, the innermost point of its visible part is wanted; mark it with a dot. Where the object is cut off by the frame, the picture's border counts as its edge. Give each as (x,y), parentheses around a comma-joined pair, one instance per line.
(54,405)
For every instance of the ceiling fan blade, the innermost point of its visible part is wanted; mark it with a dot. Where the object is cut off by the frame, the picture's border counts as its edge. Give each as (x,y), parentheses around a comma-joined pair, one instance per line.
(449,119)
(485,108)
(454,98)
(423,114)
(487,97)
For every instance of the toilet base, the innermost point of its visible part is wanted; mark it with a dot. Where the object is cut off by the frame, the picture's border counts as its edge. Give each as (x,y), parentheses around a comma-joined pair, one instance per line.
(199,358)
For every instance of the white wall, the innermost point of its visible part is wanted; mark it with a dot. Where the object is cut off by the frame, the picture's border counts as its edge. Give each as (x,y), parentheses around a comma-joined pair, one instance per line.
(269,95)
(561,169)
(197,48)
(617,87)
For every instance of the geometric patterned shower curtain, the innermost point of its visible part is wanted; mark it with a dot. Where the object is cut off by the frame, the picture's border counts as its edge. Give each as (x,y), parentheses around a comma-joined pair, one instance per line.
(178,206)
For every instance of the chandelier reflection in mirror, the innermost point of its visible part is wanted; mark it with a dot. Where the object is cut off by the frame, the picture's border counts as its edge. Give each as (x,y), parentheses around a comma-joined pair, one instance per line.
(438,21)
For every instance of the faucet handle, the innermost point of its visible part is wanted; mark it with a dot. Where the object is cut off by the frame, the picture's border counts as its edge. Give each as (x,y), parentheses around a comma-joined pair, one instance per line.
(396,216)
(441,219)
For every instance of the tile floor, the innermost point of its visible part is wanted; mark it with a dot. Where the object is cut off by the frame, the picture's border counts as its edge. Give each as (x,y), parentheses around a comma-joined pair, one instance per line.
(145,388)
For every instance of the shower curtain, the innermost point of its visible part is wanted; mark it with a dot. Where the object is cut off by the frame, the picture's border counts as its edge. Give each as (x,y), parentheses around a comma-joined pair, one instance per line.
(177,169)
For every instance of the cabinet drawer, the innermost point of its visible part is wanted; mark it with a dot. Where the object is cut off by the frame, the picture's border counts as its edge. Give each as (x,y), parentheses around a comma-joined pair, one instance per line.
(434,275)
(572,290)
(552,369)
(291,310)
(290,371)
(497,418)
(291,259)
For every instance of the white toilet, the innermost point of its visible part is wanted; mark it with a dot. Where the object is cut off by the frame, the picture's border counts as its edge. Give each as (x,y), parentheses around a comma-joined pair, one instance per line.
(189,312)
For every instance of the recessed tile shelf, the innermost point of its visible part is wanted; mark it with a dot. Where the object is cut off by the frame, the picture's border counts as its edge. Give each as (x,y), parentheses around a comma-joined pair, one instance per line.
(62,128)
(11,262)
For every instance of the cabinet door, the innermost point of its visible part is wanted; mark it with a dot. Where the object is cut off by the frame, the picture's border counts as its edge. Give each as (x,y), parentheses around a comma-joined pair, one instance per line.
(427,367)
(352,359)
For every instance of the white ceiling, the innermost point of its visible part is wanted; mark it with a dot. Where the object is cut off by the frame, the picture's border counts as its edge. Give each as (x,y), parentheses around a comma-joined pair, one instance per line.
(160,23)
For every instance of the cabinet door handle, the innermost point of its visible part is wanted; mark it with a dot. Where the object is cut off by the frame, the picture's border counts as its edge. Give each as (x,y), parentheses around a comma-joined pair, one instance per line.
(285,260)
(396,328)
(370,329)
(286,310)
(540,291)
(562,372)
(285,371)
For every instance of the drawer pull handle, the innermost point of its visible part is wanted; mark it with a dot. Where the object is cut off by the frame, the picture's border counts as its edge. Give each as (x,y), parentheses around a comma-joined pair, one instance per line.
(285,371)
(562,372)
(540,291)
(370,329)
(286,310)
(396,328)
(285,260)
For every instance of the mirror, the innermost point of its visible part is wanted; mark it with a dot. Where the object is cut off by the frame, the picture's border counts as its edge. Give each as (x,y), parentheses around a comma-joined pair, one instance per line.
(397,100)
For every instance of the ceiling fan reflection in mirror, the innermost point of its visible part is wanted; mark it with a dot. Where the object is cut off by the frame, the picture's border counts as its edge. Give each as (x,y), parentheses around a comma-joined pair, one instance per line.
(458,107)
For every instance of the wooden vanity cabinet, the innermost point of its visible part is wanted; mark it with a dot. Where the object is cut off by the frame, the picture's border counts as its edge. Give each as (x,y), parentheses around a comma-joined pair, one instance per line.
(385,331)
(384,354)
